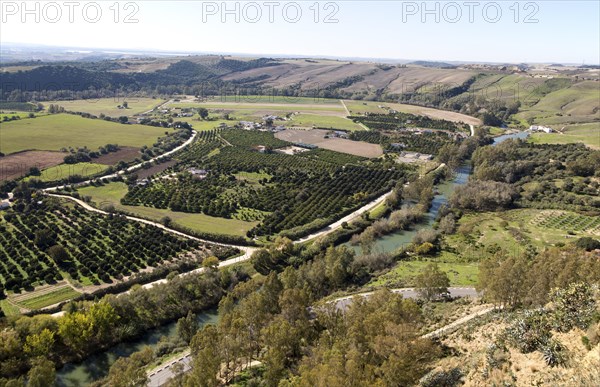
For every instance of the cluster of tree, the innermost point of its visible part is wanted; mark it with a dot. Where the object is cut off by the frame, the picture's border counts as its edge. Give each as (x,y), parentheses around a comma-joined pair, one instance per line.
(533,169)
(269,319)
(55,109)
(81,155)
(88,327)
(397,120)
(479,195)
(77,80)
(522,279)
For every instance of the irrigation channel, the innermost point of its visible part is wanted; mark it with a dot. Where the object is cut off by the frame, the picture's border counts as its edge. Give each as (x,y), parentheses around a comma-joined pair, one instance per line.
(96,366)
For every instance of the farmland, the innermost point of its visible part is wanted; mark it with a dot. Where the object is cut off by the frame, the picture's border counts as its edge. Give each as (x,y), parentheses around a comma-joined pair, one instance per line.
(45,296)
(18,164)
(57,131)
(217,202)
(112,193)
(53,240)
(64,171)
(318,137)
(109,106)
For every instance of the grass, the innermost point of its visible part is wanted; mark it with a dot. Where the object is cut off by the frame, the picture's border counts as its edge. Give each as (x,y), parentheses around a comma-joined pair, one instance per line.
(46,299)
(63,171)
(108,106)
(8,308)
(252,177)
(404,273)
(113,192)
(57,131)
(320,121)
(589,134)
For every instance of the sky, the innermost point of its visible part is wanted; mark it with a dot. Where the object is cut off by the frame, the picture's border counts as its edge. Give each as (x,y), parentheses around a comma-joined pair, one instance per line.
(485,31)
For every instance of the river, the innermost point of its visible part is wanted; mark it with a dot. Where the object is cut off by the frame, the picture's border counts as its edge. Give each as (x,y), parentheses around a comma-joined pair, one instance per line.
(96,366)
(392,242)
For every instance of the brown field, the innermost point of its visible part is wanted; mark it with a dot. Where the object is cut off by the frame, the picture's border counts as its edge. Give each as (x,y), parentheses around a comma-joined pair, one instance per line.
(357,107)
(316,137)
(126,154)
(18,164)
(144,173)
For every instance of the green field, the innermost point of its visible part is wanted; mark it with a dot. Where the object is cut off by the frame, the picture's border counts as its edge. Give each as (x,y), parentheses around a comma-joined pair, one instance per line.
(320,121)
(113,192)
(512,231)
(404,273)
(63,171)
(108,106)
(8,308)
(57,131)
(578,103)
(589,134)
(41,301)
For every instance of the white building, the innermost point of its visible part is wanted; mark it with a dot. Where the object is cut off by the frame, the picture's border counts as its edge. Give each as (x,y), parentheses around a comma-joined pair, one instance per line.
(540,128)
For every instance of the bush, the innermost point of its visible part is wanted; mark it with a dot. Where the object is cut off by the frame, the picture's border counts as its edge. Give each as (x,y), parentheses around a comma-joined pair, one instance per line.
(449,378)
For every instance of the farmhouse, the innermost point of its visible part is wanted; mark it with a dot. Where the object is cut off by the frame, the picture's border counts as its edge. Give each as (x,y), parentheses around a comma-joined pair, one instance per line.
(4,205)
(411,157)
(540,128)
(198,173)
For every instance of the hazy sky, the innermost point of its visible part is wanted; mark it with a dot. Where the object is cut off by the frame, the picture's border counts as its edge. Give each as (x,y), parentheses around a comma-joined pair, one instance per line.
(502,31)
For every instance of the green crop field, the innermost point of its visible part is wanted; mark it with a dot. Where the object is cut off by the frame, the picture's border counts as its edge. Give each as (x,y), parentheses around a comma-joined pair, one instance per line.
(113,192)
(109,106)
(63,171)
(589,134)
(321,121)
(57,131)
(50,298)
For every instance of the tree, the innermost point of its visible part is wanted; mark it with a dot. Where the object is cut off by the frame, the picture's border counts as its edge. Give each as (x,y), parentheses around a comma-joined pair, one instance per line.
(127,372)
(125,105)
(41,374)
(40,344)
(205,349)
(166,221)
(211,263)
(432,282)
(34,171)
(502,279)
(203,112)
(59,255)
(187,327)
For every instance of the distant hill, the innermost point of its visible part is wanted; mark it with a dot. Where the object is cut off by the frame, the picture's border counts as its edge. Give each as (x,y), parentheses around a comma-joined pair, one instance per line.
(437,65)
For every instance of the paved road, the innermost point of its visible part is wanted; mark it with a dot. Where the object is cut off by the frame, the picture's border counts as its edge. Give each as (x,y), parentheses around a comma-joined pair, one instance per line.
(343,303)
(159,376)
(348,218)
(130,169)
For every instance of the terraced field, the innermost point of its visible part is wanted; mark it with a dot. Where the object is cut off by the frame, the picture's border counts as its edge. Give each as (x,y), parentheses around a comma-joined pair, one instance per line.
(568,221)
